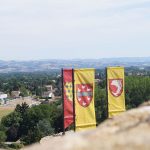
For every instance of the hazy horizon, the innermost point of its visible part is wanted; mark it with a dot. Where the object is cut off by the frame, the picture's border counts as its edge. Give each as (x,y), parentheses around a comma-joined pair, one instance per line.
(77,59)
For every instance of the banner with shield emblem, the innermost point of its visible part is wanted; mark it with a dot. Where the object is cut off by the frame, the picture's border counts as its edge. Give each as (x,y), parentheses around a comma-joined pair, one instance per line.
(84,85)
(115,89)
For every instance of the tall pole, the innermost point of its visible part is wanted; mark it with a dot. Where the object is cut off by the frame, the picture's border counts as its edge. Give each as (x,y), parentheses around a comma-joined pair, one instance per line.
(106,92)
(73,93)
(62,76)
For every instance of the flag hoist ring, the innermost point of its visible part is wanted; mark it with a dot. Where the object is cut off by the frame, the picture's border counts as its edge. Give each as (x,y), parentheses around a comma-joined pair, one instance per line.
(84,93)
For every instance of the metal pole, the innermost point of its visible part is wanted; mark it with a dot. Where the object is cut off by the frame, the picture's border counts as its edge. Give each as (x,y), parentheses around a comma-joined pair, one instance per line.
(73,92)
(106,93)
(62,76)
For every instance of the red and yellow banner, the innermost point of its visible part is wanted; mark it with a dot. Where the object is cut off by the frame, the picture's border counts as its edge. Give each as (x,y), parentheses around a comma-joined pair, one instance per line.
(84,99)
(68,97)
(115,88)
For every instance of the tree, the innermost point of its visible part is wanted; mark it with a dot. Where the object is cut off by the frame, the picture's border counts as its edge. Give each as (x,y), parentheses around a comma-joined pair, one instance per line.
(100,103)
(45,127)
(32,136)
(12,123)
(12,133)
(22,109)
(2,136)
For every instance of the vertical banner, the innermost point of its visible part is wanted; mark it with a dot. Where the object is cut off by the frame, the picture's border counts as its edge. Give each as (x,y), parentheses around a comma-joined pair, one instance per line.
(115,89)
(68,97)
(84,99)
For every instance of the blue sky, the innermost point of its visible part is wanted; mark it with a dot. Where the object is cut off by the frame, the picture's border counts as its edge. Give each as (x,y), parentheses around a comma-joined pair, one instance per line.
(66,29)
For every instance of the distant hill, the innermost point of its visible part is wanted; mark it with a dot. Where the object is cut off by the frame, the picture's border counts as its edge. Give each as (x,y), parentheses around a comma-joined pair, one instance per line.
(54,64)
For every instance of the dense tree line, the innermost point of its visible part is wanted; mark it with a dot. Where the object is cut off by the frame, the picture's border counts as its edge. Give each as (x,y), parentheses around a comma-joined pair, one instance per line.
(31,124)
(27,83)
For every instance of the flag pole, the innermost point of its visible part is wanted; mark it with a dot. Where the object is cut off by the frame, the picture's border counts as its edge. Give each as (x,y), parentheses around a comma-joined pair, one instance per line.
(106,93)
(62,76)
(73,100)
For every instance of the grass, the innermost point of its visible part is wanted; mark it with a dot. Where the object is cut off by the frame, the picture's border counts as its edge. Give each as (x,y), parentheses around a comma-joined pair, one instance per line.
(5,111)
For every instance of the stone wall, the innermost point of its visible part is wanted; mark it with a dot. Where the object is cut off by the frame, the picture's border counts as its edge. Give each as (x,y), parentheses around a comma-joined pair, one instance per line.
(129,131)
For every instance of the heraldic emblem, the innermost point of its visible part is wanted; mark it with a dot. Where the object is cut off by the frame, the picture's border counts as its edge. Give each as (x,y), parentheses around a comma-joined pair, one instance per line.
(84,93)
(116,87)
(68,90)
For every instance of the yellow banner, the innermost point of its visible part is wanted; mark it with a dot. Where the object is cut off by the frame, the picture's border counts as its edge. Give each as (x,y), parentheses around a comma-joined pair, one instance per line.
(115,88)
(84,99)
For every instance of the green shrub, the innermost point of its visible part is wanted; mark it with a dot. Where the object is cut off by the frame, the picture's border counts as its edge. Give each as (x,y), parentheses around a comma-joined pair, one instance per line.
(2,136)
(16,146)
(32,137)
(4,146)
(45,127)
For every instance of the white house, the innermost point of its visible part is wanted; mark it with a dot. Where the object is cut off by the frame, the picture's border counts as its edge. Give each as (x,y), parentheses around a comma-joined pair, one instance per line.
(2,98)
(49,87)
(48,94)
(15,94)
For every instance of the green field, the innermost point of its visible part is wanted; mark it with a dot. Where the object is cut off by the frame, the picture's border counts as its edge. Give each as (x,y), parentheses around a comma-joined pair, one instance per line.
(5,111)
